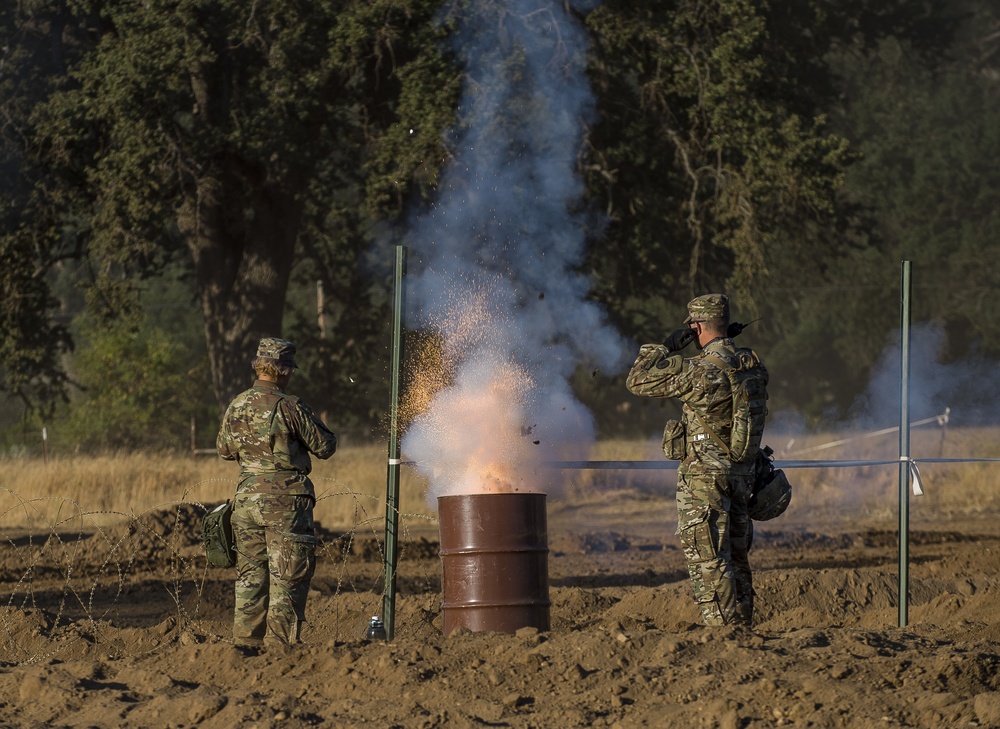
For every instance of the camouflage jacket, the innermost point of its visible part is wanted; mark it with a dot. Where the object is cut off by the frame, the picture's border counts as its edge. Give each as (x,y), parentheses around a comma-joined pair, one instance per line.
(700,386)
(271,435)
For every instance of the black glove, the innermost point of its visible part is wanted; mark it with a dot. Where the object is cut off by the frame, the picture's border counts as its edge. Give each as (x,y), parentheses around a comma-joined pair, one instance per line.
(679,339)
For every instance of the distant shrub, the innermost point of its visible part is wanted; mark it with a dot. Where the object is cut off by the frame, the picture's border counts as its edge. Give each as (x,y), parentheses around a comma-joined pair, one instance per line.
(137,391)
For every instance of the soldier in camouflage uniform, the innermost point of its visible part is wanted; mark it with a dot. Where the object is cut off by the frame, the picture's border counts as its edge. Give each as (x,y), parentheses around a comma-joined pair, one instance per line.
(271,434)
(712,492)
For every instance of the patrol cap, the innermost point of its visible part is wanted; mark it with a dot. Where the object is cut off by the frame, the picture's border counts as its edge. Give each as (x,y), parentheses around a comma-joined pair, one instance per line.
(277,349)
(709,306)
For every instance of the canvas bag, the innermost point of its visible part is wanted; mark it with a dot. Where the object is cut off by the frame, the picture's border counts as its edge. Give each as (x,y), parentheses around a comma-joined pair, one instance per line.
(217,534)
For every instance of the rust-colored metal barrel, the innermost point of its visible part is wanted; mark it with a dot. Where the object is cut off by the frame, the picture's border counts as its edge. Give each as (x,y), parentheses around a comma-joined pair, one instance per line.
(494,555)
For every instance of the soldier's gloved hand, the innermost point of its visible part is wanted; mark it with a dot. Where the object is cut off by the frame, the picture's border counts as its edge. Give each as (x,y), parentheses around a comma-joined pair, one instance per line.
(679,339)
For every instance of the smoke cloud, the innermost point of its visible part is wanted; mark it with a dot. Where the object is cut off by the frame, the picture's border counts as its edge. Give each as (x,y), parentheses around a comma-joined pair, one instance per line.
(968,387)
(941,392)
(496,258)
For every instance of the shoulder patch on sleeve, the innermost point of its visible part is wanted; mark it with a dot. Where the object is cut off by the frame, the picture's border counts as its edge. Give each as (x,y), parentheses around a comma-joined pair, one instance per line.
(672,364)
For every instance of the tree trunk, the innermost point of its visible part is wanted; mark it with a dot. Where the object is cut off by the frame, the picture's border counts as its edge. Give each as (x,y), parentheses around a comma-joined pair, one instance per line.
(243,252)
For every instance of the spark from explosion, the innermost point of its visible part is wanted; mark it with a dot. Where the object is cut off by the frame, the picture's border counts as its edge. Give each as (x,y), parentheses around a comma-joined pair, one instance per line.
(469,403)
(496,284)
(481,444)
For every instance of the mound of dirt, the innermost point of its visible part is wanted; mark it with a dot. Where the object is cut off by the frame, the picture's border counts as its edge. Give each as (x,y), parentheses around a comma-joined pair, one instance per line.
(155,535)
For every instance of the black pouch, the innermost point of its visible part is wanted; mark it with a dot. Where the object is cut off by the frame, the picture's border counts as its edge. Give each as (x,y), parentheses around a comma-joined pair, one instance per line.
(674,440)
(217,534)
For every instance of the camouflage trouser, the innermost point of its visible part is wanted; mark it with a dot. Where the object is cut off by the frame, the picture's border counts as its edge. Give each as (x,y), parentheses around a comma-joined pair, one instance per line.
(715,531)
(275,546)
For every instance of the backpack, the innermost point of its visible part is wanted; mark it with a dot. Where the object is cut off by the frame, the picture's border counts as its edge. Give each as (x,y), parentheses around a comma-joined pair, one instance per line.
(748,381)
(217,534)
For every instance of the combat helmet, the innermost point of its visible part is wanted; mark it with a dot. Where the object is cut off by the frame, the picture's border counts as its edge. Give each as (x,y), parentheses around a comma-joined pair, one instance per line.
(771,491)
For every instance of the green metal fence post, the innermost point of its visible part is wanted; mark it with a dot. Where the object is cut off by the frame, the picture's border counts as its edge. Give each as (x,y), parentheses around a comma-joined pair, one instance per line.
(392,471)
(904,450)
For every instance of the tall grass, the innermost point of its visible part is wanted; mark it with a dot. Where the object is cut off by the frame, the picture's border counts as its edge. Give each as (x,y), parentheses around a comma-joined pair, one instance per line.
(950,489)
(350,486)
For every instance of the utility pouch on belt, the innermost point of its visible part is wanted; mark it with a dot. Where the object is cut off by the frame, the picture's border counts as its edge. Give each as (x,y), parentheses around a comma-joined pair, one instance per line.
(217,533)
(674,445)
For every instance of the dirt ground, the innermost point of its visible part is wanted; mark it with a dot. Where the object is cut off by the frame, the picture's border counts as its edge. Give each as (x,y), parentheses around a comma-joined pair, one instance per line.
(128,627)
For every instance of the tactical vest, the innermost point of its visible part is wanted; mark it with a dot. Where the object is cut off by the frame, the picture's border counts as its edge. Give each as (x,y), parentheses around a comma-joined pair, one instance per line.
(748,382)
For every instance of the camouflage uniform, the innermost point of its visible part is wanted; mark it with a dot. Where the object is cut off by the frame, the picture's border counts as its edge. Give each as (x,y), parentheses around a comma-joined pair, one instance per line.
(712,493)
(271,435)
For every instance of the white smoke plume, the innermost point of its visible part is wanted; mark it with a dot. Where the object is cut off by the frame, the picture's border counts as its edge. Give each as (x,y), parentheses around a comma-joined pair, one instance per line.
(494,269)
(942,392)
(968,386)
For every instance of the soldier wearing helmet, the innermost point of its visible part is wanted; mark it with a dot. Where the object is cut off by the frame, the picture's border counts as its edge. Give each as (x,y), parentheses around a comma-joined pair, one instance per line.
(271,434)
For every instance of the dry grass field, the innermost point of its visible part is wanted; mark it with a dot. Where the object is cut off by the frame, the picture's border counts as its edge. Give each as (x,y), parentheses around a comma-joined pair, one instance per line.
(67,493)
(103,490)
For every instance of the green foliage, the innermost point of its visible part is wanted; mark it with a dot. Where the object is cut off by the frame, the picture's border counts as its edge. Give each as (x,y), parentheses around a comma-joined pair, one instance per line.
(235,136)
(705,152)
(710,154)
(31,343)
(139,391)
(720,161)
(219,158)
(344,368)
(931,171)
(34,234)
